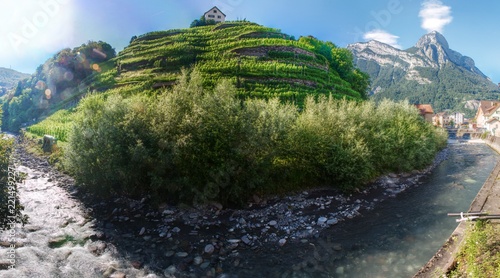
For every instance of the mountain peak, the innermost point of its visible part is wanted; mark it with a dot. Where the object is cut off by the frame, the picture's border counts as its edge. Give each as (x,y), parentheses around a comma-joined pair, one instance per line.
(432,38)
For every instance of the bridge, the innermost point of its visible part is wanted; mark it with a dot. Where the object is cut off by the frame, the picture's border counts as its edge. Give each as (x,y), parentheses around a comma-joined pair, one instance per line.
(463,132)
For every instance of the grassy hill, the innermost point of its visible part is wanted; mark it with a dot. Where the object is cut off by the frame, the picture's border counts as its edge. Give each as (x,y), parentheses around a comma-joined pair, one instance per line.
(262,61)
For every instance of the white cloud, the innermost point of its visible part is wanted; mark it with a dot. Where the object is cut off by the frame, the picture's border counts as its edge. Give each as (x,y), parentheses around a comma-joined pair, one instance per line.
(382,36)
(435,16)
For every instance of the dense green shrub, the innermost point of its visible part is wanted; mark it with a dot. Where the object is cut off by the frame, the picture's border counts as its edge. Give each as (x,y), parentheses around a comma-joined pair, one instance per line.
(194,144)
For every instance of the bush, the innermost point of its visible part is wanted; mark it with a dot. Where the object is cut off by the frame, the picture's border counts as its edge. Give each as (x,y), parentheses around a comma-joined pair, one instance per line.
(192,144)
(10,207)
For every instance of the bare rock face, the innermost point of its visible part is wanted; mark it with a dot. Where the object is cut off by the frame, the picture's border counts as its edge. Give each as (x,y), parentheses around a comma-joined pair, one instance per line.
(423,72)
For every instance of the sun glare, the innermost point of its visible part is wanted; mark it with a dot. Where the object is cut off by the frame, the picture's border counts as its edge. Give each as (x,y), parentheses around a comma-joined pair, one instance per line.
(33,28)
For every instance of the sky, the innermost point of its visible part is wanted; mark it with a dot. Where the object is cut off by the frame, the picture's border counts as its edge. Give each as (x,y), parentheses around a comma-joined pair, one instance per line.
(34,30)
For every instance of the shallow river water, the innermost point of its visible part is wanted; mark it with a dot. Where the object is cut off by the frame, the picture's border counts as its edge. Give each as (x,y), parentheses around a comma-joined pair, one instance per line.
(401,234)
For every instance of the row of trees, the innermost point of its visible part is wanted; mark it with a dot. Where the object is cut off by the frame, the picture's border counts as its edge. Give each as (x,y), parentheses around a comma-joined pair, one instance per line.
(192,144)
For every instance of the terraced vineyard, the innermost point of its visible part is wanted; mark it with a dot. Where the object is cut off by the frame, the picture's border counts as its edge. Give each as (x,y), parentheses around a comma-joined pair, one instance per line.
(262,61)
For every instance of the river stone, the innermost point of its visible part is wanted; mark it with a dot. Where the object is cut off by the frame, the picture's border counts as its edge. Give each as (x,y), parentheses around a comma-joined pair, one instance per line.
(143,230)
(118,275)
(169,254)
(170,270)
(322,220)
(340,270)
(205,265)
(246,240)
(209,249)
(181,254)
(273,223)
(282,242)
(332,221)
(197,260)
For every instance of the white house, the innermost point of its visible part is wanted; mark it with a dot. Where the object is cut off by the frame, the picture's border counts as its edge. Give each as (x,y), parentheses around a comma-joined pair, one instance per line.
(215,14)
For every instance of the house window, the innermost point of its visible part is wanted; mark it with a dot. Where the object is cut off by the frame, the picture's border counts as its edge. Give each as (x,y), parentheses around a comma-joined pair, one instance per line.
(218,16)
(215,11)
(211,16)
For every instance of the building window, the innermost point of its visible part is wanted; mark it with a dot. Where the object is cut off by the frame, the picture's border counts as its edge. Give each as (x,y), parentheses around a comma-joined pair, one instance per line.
(218,16)
(211,16)
(215,11)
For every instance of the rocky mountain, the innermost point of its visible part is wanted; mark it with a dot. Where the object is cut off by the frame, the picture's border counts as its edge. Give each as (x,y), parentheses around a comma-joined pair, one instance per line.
(429,72)
(10,77)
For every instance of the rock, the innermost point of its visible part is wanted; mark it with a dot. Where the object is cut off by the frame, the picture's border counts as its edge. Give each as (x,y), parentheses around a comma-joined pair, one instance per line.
(337,247)
(205,265)
(136,264)
(169,254)
(273,223)
(57,241)
(282,242)
(143,230)
(176,230)
(168,212)
(339,270)
(118,275)
(246,240)
(209,249)
(170,270)
(197,260)
(332,221)
(4,264)
(181,254)
(322,220)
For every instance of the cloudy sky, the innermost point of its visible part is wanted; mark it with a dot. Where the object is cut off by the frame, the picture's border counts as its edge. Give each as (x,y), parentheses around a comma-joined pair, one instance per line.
(33,30)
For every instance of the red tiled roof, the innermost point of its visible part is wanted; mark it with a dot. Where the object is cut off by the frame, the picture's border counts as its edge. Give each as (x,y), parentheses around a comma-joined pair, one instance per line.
(425,109)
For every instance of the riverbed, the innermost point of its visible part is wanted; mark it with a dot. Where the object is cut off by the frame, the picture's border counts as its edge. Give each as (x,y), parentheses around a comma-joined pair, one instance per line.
(390,229)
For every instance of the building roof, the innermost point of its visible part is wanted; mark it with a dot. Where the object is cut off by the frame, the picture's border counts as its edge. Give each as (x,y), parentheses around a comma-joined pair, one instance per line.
(215,7)
(492,120)
(425,109)
(489,106)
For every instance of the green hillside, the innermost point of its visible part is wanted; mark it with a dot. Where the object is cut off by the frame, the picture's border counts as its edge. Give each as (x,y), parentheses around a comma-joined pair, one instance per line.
(262,62)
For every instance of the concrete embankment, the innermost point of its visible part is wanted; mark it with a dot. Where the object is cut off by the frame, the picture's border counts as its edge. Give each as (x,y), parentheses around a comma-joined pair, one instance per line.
(487,200)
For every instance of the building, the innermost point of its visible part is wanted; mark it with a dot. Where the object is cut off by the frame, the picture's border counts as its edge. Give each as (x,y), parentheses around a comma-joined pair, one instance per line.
(215,14)
(487,109)
(425,111)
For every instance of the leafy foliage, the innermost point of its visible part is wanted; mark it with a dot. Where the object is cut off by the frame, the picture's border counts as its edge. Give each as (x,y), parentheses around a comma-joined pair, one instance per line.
(198,144)
(10,207)
(58,82)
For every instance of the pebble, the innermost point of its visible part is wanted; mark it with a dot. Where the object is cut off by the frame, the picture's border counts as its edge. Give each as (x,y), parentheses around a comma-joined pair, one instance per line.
(246,240)
(143,230)
(282,242)
(273,223)
(209,249)
(197,260)
(181,254)
(322,220)
(169,254)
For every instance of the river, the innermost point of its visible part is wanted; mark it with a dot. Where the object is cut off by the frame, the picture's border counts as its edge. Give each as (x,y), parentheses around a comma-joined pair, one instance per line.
(68,237)
(398,237)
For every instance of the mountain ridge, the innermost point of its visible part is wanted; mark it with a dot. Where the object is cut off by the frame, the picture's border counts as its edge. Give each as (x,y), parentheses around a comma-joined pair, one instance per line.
(10,77)
(429,72)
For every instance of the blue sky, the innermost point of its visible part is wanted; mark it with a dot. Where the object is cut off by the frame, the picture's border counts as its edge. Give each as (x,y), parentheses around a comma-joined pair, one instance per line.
(34,30)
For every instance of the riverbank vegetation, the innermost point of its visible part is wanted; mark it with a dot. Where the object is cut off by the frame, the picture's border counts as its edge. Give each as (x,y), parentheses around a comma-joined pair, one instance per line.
(197,144)
(480,254)
(10,207)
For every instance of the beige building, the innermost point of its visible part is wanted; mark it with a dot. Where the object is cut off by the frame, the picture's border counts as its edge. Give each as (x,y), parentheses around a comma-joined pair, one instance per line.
(487,109)
(425,111)
(215,14)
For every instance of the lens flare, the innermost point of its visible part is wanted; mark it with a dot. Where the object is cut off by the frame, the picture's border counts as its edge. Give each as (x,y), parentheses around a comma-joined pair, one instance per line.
(48,93)
(40,85)
(96,67)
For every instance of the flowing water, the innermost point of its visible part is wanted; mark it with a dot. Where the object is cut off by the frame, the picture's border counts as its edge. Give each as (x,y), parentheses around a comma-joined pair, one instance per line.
(403,233)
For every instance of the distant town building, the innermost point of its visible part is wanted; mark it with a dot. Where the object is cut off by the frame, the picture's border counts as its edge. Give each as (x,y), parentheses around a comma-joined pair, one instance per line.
(487,110)
(215,14)
(425,111)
